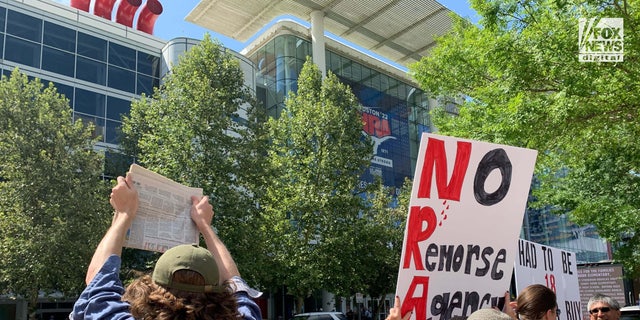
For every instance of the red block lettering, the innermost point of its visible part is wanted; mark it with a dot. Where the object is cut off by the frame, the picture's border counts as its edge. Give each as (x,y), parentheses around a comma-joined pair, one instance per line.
(419,304)
(436,157)
(374,126)
(415,234)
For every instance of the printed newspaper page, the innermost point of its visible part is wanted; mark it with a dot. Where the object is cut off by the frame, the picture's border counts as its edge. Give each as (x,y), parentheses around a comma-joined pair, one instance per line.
(163,220)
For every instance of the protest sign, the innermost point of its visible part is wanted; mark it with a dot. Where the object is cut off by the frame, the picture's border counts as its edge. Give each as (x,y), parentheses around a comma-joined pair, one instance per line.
(461,238)
(555,268)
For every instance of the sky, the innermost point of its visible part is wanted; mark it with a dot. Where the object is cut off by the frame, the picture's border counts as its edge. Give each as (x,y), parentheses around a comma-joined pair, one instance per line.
(171,23)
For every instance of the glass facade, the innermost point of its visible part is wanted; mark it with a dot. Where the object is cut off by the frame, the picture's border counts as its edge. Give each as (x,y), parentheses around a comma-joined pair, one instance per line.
(542,226)
(395,112)
(101,74)
(99,77)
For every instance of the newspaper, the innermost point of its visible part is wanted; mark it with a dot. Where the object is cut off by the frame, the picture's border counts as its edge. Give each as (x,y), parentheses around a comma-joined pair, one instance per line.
(163,220)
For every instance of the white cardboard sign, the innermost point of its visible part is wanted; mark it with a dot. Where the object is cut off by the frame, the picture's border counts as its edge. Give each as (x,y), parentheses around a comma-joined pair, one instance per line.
(461,239)
(555,268)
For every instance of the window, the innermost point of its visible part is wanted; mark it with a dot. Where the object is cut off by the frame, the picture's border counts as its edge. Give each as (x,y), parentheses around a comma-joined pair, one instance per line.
(122,79)
(23,52)
(24,26)
(92,47)
(148,64)
(116,108)
(3,12)
(146,84)
(113,132)
(97,121)
(66,90)
(122,56)
(59,37)
(58,61)
(91,70)
(89,102)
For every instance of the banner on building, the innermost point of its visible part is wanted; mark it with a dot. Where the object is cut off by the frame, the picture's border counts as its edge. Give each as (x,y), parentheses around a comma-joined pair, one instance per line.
(555,268)
(461,237)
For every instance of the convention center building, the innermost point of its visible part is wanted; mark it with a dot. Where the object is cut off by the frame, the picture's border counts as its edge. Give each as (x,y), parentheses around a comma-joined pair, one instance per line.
(103,55)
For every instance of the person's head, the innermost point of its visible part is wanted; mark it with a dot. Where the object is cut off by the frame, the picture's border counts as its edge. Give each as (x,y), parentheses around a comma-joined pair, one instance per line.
(488,314)
(184,285)
(537,302)
(603,307)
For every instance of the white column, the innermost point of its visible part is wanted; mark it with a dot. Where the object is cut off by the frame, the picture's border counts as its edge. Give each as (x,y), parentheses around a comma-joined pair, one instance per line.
(317,41)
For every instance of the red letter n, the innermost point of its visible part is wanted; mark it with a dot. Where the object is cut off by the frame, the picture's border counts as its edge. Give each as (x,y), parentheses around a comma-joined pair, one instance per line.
(436,157)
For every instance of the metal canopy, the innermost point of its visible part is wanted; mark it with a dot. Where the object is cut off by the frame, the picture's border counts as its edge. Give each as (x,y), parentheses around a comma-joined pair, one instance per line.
(399,30)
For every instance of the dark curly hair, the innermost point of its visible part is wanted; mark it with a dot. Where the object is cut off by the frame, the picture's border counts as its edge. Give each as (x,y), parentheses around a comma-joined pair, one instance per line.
(150,301)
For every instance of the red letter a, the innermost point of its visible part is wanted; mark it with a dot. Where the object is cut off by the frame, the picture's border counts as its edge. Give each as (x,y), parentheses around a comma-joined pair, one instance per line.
(415,234)
(435,156)
(419,304)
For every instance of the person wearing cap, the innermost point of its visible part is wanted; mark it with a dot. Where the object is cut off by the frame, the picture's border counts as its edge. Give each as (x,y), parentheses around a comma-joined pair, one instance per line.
(188,281)
(603,307)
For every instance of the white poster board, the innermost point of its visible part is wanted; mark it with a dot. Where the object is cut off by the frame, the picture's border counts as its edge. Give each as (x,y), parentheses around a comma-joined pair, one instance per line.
(465,214)
(555,268)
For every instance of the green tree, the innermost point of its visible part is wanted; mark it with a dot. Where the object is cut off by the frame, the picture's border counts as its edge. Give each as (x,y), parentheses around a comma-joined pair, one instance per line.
(380,234)
(200,129)
(52,197)
(317,155)
(522,84)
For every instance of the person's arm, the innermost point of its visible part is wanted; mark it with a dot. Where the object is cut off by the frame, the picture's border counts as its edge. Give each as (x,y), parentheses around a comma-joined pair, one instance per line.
(202,214)
(124,200)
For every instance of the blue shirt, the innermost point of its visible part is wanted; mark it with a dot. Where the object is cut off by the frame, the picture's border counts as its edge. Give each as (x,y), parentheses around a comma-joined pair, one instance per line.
(102,298)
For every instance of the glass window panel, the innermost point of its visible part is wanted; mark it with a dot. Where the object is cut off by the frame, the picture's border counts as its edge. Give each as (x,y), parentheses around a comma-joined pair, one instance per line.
(1,44)
(146,84)
(91,70)
(122,56)
(366,76)
(302,49)
(116,108)
(97,121)
(58,61)
(122,79)
(65,90)
(59,37)
(23,52)
(24,26)
(148,64)
(113,132)
(3,12)
(393,87)
(92,47)
(89,102)
(356,72)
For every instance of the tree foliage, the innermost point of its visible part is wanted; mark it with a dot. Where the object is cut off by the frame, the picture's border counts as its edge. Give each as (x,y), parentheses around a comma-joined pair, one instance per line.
(312,203)
(52,197)
(522,84)
(199,129)
(380,237)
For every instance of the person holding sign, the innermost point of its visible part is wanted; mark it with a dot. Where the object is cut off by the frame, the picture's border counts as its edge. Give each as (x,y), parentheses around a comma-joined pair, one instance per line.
(188,282)
(603,307)
(536,302)
(395,313)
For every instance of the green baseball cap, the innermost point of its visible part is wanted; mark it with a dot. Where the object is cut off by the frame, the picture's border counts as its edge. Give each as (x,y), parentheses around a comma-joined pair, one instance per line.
(187,257)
